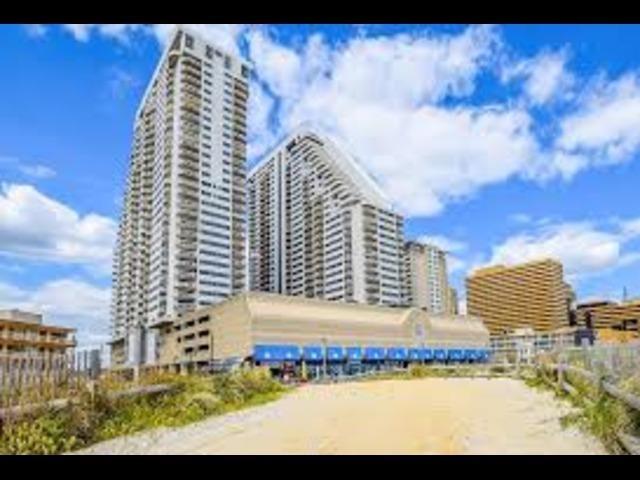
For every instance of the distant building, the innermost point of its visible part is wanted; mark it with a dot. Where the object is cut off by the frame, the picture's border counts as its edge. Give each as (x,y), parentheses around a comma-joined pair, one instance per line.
(532,294)
(23,333)
(427,285)
(452,302)
(623,317)
(319,226)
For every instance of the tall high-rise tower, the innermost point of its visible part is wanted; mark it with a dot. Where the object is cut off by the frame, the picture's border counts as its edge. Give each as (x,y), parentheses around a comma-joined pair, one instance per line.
(320,227)
(181,242)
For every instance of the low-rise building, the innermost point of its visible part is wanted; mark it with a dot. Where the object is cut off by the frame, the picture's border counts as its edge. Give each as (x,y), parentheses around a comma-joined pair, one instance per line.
(259,327)
(610,315)
(23,333)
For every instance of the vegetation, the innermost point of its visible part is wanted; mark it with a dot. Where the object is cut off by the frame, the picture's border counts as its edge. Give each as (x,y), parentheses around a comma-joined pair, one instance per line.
(96,416)
(596,412)
(424,371)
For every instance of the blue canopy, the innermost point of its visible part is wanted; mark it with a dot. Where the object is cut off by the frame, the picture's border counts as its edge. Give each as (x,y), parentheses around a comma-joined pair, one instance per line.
(374,353)
(440,354)
(354,353)
(416,354)
(427,353)
(455,354)
(470,354)
(397,353)
(335,353)
(312,353)
(276,353)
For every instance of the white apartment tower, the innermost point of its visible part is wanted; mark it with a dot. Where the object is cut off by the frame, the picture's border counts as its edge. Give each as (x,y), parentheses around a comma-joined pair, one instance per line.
(320,227)
(427,284)
(181,242)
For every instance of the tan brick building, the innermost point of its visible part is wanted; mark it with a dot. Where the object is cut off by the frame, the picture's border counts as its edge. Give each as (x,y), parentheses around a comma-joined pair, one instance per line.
(610,315)
(22,333)
(532,294)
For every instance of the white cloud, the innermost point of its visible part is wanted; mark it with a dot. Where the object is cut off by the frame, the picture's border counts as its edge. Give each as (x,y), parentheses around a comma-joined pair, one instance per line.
(226,36)
(65,302)
(379,97)
(38,171)
(606,126)
(445,243)
(584,248)
(36,30)
(118,31)
(35,226)
(545,76)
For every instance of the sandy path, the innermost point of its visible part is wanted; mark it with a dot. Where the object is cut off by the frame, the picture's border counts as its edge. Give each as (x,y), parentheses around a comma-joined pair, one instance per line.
(427,416)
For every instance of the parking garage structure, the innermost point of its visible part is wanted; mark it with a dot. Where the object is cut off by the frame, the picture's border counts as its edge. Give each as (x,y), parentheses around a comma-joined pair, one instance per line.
(283,331)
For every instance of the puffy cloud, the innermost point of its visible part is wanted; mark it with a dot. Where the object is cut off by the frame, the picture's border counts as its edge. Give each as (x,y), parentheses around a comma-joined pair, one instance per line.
(35,226)
(545,76)
(66,302)
(606,126)
(118,31)
(379,97)
(584,248)
(445,243)
(224,35)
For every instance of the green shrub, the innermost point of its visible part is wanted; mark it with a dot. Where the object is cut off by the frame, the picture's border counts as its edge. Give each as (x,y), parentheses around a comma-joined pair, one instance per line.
(95,417)
(44,435)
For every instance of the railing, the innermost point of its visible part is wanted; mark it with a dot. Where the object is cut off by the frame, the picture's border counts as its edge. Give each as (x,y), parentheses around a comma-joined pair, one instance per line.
(606,368)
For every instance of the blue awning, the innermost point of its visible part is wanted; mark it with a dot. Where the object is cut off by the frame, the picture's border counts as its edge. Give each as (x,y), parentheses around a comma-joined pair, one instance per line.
(416,354)
(335,353)
(397,353)
(455,354)
(312,353)
(354,353)
(470,354)
(427,353)
(276,353)
(440,354)
(374,353)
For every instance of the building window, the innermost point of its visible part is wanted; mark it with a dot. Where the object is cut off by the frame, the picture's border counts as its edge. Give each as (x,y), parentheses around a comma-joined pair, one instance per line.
(209,51)
(245,71)
(227,61)
(188,41)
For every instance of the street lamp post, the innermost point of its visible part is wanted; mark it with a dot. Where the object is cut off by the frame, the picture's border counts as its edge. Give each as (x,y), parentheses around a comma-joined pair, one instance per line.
(324,358)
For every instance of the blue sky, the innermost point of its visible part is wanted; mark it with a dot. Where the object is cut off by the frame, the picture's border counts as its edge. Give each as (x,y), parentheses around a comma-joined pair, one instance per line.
(500,143)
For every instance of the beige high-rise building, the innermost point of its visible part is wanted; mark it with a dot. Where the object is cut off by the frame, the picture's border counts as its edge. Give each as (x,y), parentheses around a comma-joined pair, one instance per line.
(319,226)
(452,302)
(531,294)
(426,281)
(181,242)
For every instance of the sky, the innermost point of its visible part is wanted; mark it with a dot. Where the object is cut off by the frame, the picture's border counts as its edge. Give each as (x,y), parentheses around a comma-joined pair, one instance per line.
(500,144)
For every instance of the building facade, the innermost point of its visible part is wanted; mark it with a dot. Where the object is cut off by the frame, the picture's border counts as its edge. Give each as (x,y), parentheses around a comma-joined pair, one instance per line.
(24,334)
(530,295)
(610,315)
(263,327)
(181,241)
(427,284)
(452,302)
(319,227)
